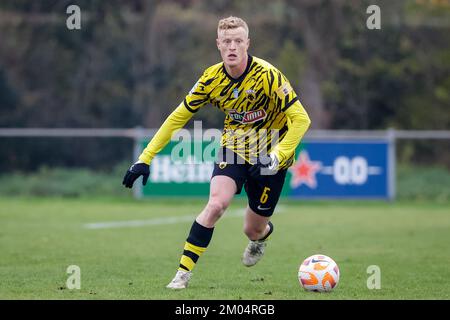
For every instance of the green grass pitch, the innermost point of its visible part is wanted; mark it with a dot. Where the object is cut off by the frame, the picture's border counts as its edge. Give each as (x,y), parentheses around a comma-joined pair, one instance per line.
(40,238)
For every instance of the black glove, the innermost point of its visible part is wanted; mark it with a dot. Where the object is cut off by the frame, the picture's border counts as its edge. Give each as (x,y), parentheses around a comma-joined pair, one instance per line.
(135,171)
(266,165)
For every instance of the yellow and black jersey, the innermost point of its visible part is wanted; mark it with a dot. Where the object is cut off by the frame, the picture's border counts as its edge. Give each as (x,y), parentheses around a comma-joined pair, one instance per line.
(263,112)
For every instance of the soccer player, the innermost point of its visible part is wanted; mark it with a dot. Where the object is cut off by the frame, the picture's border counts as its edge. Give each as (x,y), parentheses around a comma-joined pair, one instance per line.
(264,123)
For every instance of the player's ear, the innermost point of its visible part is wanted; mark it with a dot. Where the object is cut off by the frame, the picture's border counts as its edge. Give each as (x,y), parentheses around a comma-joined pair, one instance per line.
(217,43)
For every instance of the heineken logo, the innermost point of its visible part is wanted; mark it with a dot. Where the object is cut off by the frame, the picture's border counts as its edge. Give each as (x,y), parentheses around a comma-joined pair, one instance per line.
(165,170)
(247,117)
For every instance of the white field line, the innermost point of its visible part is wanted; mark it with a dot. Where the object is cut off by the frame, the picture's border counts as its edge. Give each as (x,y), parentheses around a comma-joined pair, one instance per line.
(161,221)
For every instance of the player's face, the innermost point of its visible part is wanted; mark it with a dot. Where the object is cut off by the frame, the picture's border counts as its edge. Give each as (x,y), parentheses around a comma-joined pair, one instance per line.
(233,45)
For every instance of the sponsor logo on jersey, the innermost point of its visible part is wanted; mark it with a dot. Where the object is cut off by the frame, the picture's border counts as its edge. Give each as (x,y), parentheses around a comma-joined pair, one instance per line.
(284,90)
(247,117)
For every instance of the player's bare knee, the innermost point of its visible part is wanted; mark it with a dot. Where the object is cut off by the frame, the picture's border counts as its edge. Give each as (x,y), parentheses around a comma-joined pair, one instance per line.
(216,207)
(212,212)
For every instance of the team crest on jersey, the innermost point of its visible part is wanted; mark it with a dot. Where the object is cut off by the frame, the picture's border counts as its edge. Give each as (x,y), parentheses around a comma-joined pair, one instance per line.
(223,164)
(251,95)
(247,117)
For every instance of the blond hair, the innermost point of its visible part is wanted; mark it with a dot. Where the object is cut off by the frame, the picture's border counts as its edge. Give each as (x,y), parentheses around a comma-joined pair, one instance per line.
(232,23)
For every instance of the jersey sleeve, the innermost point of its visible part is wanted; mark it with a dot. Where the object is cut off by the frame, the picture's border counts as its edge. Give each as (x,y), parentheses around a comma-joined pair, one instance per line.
(195,99)
(198,96)
(278,88)
(175,121)
(298,123)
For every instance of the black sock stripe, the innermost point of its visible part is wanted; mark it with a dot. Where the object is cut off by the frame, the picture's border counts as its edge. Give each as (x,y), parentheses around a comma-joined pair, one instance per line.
(191,255)
(199,235)
(183,267)
(268,233)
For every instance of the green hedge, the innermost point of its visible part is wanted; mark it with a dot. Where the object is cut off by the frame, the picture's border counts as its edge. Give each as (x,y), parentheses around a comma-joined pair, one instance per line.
(413,183)
(423,183)
(65,183)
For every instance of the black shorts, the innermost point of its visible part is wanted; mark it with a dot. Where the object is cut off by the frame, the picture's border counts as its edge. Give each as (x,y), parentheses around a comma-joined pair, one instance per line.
(262,194)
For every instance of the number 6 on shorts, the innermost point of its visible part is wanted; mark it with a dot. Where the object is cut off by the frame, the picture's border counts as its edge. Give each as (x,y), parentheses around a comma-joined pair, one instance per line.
(264,196)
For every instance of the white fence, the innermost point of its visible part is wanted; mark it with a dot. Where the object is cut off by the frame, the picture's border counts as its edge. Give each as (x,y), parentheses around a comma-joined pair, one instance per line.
(139,134)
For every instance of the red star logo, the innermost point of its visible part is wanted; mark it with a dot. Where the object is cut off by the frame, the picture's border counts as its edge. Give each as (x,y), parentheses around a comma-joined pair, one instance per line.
(304,171)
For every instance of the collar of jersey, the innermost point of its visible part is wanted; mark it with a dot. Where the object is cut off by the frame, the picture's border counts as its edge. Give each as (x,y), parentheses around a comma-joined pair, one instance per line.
(242,76)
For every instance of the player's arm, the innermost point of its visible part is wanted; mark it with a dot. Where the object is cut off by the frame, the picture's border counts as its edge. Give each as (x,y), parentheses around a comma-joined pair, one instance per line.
(176,120)
(280,91)
(298,123)
(278,88)
(196,98)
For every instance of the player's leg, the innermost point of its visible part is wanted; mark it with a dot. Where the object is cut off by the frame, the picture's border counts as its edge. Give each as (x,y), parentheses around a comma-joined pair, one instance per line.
(222,190)
(263,197)
(256,227)
(226,182)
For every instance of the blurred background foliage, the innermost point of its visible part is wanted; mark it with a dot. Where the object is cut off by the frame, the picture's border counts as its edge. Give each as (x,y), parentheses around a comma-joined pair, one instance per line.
(133,61)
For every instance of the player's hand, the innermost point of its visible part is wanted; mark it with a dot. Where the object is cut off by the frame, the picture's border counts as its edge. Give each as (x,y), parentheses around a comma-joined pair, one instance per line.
(266,165)
(136,170)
